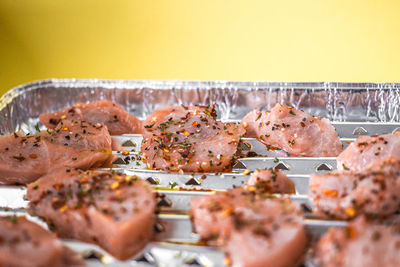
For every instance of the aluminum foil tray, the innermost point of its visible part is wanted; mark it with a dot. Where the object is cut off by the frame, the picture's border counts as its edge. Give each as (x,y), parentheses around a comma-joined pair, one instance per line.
(354,108)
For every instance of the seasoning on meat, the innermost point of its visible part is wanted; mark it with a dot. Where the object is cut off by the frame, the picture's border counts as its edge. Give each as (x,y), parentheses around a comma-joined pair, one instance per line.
(293,131)
(255,230)
(24,244)
(366,149)
(24,158)
(189,139)
(104,112)
(270,181)
(360,243)
(345,195)
(110,209)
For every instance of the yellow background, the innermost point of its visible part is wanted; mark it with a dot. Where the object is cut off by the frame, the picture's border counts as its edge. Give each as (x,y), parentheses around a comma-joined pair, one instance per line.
(295,40)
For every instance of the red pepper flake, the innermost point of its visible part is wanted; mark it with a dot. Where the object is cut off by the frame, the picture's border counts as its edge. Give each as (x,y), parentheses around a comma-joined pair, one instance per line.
(330,192)
(350,212)
(246,172)
(114,185)
(227,261)
(351,232)
(33,156)
(63,209)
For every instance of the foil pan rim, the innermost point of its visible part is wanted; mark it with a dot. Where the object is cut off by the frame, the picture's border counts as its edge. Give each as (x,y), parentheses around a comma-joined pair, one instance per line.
(187,84)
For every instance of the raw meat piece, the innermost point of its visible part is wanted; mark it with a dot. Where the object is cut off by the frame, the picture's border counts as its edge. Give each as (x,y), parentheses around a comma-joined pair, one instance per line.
(25,158)
(345,195)
(104,112)
(254,230)
(294,131)
(361,243)
(366,149)
(110,209)
(24,243)
(189,139)
(271,181)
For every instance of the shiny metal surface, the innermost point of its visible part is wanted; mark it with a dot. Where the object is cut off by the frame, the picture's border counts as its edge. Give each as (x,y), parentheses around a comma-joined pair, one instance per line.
(355,109)
(346,102)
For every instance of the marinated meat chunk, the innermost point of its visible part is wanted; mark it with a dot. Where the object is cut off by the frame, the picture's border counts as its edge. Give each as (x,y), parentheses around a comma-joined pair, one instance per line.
(294,131)
(110,209)
(25,158)
(24,243)
(104,112)
(254,230)
(366,149)
(344,195)
(189,139)
(361,243)
(271,181)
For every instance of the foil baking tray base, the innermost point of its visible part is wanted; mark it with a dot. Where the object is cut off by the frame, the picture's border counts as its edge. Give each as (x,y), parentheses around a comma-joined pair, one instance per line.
(354,108)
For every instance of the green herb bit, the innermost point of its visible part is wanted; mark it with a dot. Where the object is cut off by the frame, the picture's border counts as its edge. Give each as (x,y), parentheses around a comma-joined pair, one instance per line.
(172,185)
(13,219)
(292,112)
(37,128)
(276,160)
(149,126)
(82,192)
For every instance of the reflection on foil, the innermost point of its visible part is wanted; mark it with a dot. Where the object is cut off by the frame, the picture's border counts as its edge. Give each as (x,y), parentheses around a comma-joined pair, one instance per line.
(374,102)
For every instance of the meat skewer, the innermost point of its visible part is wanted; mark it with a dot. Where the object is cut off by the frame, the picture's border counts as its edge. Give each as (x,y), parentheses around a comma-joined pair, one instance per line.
(110,209)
